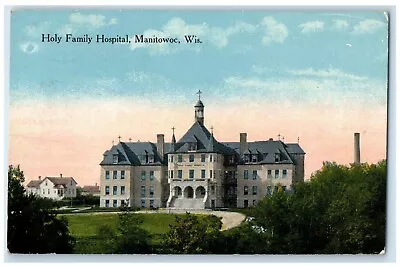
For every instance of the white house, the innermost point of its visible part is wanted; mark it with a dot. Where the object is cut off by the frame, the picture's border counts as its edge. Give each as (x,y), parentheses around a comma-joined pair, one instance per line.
(53,187)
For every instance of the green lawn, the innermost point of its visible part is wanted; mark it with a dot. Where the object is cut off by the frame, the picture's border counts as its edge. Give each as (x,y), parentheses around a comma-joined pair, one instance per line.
(83,228)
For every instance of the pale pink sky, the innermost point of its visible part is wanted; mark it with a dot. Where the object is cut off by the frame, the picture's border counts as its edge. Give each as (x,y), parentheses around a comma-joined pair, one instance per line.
(51,137)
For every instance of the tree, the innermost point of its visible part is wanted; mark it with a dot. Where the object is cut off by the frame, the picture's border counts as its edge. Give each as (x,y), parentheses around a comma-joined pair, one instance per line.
(191,234)
(32,226)
(132,238)
(342,210)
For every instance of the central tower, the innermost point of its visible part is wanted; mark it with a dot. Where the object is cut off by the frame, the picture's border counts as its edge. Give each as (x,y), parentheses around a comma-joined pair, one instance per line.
(199,110)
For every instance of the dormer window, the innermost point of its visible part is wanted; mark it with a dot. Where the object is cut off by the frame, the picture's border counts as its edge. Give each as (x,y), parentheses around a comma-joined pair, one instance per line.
(151,158)
(115,159)
(192,146)
(254,158)
(277,158)
(246,158)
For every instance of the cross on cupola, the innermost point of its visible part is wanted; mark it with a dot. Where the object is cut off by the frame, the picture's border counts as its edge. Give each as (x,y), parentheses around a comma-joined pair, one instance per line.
(199,93)
(199,110)
(173,130)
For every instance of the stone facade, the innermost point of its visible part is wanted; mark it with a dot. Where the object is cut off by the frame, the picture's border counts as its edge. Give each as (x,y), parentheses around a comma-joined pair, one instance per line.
(197,171)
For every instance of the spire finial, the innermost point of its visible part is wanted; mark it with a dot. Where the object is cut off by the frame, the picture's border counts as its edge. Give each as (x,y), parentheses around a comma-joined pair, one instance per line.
(173,130)
(119,138)
(199,93)
(279,136)
(298,140)
(112,142)
(212,130)
(130,139)
(283,138)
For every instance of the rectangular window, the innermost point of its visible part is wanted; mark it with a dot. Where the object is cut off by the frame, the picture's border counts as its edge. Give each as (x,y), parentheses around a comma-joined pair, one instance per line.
(213,190)
(276,173)
(254,190)
(171,158)
(246,174)
(122,189)
(254,174)
(122,203)
(151,191)
(115,203)
(191,173)
(254,158)
(48,191)
(171,174)
(143,175)
(246,203)
(143,191)
(179,158)
(107,203)
(151,175)
(246,158)
(203,173)
(115,173)
(211,158)
(107,190)
(246,190)
(211,174)
(115,159)
(191,158)
(142,203)
(203,158)
(115,190)
(284,173)
(254,202)
(44,191)
(180,173)
(269,173)
(107,174)
(151,203)
(122,174)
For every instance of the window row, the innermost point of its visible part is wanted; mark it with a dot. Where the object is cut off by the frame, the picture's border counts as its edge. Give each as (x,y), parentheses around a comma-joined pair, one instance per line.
(115,174)
(246,203)
(115,190)
(115,203)
(246,190)
(277,172)
(143,203)
(143,191)
(59,191)
(192,174)
(191,158)
(269,174)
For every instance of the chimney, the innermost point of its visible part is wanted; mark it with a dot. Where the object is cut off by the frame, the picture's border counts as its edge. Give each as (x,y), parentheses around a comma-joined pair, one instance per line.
(357,148)
(60,175)
(96,184)
(243,142)
(160,145)
(40,178)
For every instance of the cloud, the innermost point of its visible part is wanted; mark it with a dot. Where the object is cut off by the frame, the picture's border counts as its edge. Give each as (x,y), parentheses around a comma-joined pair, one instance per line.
(217,36)
(312,26)
(340,25)
(368,26)
(29,47)
(90,20)
(38,29)
(78,21)
(275,32)
(326,73)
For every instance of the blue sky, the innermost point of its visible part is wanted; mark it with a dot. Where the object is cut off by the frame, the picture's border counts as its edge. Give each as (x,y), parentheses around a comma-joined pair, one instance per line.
(242,54)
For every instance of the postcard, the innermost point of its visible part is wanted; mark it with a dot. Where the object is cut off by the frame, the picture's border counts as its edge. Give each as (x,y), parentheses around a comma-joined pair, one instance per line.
(149,131)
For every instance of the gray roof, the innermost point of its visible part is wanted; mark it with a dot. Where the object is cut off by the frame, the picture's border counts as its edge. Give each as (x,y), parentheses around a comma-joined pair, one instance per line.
(266,152)
(56,180)
(34,183)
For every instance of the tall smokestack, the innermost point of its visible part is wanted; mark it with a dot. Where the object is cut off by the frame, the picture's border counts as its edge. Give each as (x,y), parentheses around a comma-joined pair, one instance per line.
(357,148)
(243,142)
